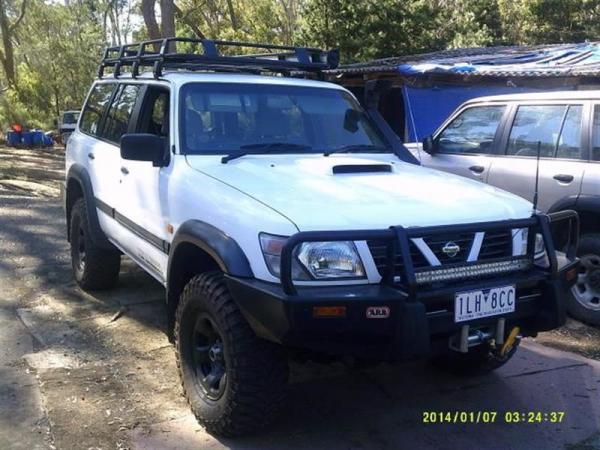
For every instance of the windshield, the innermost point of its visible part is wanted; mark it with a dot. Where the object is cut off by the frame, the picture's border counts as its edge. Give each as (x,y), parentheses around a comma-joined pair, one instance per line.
(232,118)
(70,117)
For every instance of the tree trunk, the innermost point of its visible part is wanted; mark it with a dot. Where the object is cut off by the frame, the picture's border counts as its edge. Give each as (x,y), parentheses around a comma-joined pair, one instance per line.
(7,53)
(149,19)
(232,16)
(167,18)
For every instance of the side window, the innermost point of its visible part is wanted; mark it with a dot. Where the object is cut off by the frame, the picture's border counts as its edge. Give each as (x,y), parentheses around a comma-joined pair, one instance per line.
(596,134)
(472,131)
(569,143)
(555,128)
(117,120)
(95,108)
(155,119)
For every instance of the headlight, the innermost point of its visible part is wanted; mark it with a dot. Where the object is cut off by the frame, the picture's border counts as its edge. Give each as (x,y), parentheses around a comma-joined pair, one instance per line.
(539,247)
(271,247)
(327,260)
(316,260)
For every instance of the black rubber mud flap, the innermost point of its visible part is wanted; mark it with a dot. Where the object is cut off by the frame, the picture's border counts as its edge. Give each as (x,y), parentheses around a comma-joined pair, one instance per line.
(553,306)
(412,336)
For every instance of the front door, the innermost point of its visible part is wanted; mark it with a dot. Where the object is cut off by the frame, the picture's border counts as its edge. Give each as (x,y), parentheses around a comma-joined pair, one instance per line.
(466,145)
(144,186)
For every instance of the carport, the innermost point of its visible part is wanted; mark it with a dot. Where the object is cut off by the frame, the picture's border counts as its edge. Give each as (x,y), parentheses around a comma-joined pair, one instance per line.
(426,88)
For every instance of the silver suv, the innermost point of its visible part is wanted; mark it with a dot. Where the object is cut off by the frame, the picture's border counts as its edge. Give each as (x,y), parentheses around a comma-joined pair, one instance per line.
(495,140)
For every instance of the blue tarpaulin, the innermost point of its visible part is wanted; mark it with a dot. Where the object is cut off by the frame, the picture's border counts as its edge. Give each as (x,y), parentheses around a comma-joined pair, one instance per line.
(466,73)
(427,108)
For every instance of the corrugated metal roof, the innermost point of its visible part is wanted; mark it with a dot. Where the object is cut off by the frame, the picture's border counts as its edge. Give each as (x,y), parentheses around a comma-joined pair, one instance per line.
(508,61)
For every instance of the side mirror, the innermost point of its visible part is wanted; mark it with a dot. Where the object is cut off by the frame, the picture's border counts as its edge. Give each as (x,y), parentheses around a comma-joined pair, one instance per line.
(351,119)
(144,147)
(429,145)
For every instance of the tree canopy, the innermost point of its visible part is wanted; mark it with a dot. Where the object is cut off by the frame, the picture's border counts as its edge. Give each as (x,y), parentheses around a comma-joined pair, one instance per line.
(49,50)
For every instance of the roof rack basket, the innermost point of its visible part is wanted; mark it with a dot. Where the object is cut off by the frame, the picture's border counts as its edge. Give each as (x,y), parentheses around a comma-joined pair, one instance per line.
(178,53)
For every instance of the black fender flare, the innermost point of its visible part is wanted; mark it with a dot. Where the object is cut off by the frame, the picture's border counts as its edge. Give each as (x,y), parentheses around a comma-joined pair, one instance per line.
(226,252)
(587,203)
(80,174)
(568,202)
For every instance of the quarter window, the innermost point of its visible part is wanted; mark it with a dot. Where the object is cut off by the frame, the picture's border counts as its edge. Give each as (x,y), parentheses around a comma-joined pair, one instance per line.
(556,129)
(117,120)
(95,108)
(472,131)
(596,134)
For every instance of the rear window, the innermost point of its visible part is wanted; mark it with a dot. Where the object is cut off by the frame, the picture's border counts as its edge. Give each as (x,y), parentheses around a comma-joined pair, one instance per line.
(95,108)
(556,129)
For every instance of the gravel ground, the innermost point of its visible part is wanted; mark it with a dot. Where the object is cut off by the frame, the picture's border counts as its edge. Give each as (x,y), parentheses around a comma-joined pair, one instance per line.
(81,371)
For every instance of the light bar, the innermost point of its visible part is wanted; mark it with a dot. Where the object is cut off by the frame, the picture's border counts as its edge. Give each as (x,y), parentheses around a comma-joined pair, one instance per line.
(471,271)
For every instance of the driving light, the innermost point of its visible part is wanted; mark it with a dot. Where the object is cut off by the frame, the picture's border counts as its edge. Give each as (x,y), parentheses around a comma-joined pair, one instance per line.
(472,271)
(331,260)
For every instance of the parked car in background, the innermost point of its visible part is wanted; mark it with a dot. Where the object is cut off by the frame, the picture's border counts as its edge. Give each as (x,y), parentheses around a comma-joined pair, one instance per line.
(495,140)
(67,123)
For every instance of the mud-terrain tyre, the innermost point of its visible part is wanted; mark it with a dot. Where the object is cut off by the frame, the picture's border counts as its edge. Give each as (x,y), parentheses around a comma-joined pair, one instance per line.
(478,361)
(583,300)
(94,268)
(234,381)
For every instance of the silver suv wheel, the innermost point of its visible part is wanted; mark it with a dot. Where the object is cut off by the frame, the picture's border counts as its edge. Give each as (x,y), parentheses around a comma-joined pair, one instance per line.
(587,288)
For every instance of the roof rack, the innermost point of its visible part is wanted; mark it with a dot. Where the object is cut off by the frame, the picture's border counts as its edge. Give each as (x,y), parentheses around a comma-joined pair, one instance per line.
(207,55)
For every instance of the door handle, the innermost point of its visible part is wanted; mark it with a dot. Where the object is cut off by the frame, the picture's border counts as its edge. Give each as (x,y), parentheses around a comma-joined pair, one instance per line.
(563,178)
(124,171)
(477,169)
(91,156)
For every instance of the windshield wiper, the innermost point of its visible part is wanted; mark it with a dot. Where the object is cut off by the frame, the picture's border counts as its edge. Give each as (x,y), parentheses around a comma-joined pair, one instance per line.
(262,148)
(367,148)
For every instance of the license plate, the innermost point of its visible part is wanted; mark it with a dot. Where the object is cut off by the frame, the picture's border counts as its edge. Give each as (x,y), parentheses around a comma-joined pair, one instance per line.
(472,305)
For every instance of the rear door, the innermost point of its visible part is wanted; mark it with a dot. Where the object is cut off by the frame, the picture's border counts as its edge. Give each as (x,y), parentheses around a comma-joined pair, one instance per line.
(557,129)
(591,176)
(467,142)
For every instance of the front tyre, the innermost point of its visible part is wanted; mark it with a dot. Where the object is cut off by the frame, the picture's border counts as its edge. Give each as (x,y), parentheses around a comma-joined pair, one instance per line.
(233,381)
(94,268)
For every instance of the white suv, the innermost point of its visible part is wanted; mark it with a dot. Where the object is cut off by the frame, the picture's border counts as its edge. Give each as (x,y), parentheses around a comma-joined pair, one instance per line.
(286,221)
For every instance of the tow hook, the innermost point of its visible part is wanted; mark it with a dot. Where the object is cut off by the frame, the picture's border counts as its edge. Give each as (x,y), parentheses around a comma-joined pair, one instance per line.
(510,341)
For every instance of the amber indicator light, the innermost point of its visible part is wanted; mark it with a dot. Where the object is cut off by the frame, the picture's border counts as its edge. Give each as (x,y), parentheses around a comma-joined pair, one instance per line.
(329,311)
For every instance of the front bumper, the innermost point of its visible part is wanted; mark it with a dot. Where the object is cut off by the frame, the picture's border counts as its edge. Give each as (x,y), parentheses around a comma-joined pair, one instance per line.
(420,320)
(414,328)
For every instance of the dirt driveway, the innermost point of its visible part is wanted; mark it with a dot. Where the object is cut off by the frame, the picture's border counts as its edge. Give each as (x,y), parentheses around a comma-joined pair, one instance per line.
(80,371)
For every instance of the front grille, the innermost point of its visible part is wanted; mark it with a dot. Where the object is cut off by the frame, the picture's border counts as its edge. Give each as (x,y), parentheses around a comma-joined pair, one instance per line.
(496,246)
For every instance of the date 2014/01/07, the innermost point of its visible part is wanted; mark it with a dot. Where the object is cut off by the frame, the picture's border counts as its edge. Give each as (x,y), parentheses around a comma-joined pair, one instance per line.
(493,417)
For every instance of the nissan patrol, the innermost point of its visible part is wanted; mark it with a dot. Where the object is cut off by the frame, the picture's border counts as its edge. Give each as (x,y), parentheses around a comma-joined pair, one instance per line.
(286,221)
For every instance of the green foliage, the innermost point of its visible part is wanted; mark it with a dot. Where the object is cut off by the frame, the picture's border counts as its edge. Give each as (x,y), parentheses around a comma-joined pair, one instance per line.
(57,56)
(57,45)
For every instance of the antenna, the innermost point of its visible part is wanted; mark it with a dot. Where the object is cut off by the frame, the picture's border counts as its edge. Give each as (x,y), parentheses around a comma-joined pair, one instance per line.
(537,176)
